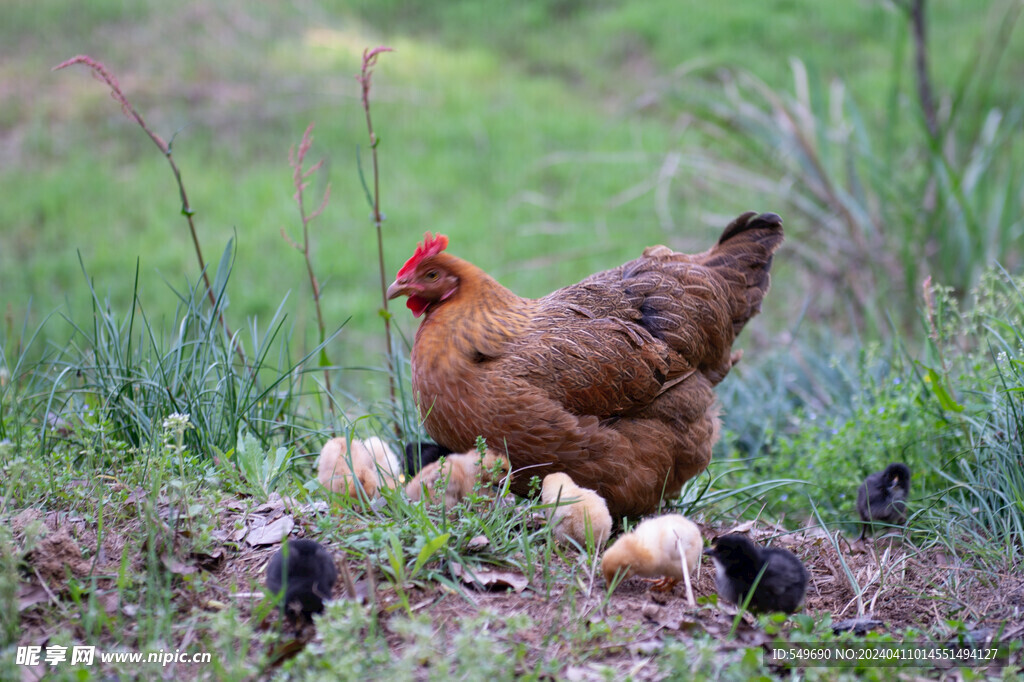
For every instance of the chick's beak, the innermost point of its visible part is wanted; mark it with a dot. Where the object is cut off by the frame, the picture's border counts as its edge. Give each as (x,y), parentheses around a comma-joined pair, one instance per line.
(710,551)
(396,289)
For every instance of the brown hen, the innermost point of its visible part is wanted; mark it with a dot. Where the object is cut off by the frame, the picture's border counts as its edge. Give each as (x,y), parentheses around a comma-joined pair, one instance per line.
(608,380)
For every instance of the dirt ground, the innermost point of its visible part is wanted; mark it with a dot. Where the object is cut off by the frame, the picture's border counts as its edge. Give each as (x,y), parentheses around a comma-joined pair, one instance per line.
(901,587)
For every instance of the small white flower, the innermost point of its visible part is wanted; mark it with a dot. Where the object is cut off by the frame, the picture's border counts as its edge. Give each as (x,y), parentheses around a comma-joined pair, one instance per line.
(178,422)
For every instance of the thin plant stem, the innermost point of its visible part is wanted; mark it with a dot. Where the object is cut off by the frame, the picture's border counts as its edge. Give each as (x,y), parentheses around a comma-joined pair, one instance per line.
(364,78)
(101,73)
(300,179)
(915,10)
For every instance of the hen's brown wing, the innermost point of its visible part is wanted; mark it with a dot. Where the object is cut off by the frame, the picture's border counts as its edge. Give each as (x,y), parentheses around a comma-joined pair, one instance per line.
(611,344)
(679,302)
(697,304)
(586,351)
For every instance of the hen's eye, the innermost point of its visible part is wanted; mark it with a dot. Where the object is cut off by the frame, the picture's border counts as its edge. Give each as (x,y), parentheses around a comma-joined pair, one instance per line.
(432,275)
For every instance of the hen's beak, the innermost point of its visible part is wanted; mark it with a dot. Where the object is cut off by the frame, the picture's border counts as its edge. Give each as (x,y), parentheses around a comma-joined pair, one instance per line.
(395,290)
(710,551)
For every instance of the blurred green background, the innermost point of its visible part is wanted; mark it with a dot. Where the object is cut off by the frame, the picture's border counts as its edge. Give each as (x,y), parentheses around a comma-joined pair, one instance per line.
(547,138)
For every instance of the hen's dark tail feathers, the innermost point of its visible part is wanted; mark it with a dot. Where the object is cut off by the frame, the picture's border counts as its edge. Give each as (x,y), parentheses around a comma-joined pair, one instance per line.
(743,257)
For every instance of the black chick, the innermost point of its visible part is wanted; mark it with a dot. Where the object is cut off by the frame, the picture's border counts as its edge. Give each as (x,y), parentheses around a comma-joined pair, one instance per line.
(739,561)
(883,497)
(308,578)
(419,455)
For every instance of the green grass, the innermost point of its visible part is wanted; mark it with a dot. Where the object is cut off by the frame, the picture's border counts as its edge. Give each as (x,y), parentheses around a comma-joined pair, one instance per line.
(524,136)
(160,494)
(952,413)
(549,139)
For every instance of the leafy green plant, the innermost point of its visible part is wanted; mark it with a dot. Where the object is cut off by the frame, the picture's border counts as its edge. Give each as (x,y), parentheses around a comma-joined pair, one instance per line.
(981,358)
(401,575)
(261,469)
(236,645)
(353,647)
(700,658)
(952,413)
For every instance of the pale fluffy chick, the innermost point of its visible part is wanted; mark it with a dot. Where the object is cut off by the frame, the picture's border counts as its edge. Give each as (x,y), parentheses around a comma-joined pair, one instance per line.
(650,550)
(388,464)
(577,507)
(373,462)
(461,472)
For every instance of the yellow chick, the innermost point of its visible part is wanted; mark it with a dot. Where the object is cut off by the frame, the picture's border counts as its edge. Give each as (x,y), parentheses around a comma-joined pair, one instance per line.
(388,465)
(461,472)
(576,508)
(652,548)
(373,462)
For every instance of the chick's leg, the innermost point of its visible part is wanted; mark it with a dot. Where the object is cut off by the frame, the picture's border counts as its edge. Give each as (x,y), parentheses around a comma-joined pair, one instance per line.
(662,584)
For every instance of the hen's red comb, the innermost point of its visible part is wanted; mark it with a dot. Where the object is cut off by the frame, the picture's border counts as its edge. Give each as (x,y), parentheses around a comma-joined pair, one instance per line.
(431,246)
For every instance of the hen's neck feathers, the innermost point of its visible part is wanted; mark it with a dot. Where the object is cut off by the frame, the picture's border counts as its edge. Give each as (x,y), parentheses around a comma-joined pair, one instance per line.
(480,316)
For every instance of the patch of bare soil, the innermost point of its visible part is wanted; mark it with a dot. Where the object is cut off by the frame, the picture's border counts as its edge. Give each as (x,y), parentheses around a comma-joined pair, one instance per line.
(898,587)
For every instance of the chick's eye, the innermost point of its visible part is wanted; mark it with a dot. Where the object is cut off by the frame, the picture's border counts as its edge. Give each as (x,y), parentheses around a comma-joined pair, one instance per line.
(432,275)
